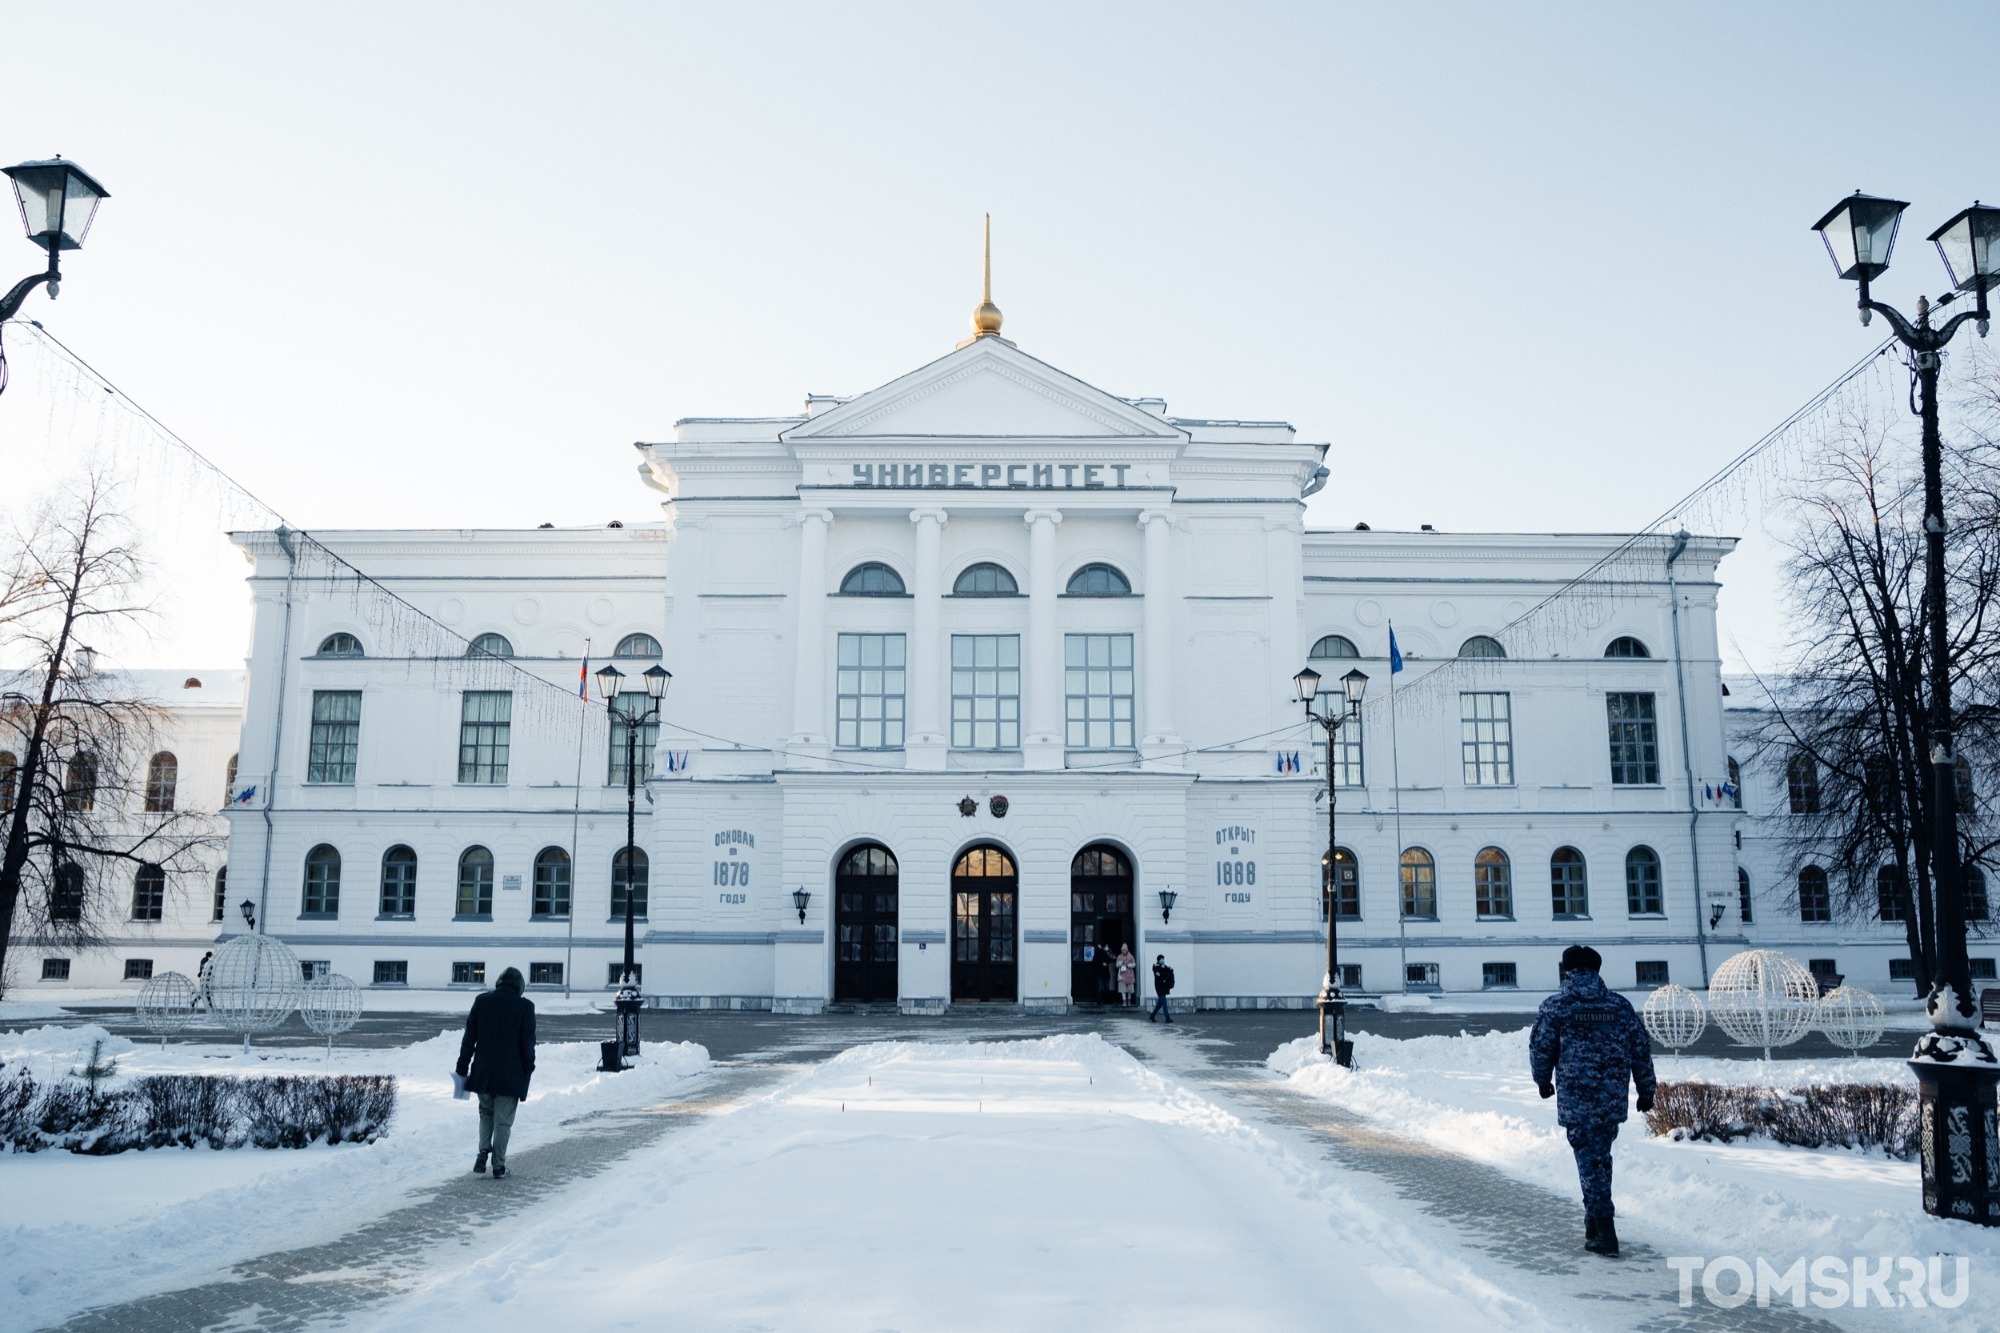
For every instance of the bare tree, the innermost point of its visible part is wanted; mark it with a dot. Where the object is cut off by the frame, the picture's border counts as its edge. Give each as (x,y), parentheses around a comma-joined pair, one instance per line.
(74,743)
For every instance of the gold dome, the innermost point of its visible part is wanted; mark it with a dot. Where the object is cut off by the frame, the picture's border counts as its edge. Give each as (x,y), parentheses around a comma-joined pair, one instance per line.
(986,319)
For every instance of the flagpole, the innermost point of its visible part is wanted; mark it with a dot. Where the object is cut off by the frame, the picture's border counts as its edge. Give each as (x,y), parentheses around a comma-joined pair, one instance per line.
(576,814)
(1396,777)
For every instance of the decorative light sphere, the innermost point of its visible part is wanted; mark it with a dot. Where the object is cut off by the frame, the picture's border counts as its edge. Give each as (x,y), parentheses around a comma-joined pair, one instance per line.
(1675,1017)
(166,1004)
(331,1005)
(1762,997)
(1851,1018)
(254,983)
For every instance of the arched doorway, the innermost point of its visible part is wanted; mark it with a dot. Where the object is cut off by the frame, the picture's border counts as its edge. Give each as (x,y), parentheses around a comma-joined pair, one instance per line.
(984,889)
(864,924)
(1100,920)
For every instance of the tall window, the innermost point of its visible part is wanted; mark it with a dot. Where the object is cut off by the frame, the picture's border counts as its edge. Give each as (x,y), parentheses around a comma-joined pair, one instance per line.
(221,893)
(633,881)
(1098,581)
(340,645)
(490,645)
(149,893)
(475,883)
(1889,894)
(1643,896)
(1626,646)
(1743,911)
(869,692)
(625,707)
(1420,885)
(80,784)
(229,781)
(1349,876)
(1348,770)
(1815,900)
(10,774)
(163,773)
(985,579)
(1333,646)
(1486,739)
(322,887)
(66,893)
(1569,883)
(399,882)
(985,691)
(485,720)
(1481,645)
(637,645)
(1735,785)
(1802,784)
(873,579)
(552,883)
(336,736)
(1975,894)
(1097,690)
(1493,884)
(1635,740)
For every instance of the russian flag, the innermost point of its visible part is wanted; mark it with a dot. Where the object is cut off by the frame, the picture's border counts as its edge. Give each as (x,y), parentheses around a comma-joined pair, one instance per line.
(583,679)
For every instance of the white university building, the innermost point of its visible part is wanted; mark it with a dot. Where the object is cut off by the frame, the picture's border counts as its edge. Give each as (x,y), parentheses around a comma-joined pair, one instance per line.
(977,666)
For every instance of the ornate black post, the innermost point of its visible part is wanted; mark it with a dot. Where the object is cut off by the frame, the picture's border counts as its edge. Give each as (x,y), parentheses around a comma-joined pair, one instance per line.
(625,1044)
(1332,1004)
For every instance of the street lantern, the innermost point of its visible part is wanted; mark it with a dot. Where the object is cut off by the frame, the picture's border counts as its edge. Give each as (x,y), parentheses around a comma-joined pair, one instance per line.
(1356,685)
(1307,684)
(249,910)
(1859,232)
(1167,897)
(1969,244)
(800,897)
(609,678)
(58,200)
(656,681)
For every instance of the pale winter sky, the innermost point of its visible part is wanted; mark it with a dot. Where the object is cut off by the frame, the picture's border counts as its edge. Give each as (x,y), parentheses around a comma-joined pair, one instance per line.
(1527,267)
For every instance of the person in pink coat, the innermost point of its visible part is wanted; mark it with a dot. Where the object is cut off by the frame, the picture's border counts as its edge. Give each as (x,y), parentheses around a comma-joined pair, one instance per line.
(1128,975)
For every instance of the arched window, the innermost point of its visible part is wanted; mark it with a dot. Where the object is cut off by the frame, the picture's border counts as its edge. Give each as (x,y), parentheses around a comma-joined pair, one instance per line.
(1802,784)
(1420,885)
(1815,900)
(873,579)
(1569,883)
(1333,645)
(490,645)
(1481,645)
(1626,646)
(1735,785)
(149,893)
(1643,895)
(637,645)
(66,893)
(399,882)
(551,884)
(1350,884)
(162,777)
(1493,884)
(985,579)
(340,645)
(10,775)
(1743,912)
(322,889)
(1976,908)
(229,781)
(1098,581)
(80,784)
(221,893)
(1889,895)
(475,883)
(632,880)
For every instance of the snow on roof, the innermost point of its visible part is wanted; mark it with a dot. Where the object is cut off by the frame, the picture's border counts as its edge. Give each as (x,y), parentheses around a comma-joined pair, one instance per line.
(175,687)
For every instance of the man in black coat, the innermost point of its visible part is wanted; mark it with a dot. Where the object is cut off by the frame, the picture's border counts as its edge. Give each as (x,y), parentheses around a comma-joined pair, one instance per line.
(496,1058)
(1163,986)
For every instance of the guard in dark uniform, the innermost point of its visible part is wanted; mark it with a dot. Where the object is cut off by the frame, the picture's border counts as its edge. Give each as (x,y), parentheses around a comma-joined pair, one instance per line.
(1588,1045)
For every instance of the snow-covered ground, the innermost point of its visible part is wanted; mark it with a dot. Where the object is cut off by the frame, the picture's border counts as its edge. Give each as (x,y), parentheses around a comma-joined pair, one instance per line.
(1472,1094)
(163,1218)
(26,1004)
(1050,1184)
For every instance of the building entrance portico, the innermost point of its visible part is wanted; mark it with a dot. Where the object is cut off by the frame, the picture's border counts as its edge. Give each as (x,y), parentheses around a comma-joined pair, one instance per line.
(984,949)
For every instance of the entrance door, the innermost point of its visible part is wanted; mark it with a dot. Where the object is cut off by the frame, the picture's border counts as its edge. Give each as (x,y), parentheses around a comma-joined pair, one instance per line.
(984,888)
(864,925)
(1100,919)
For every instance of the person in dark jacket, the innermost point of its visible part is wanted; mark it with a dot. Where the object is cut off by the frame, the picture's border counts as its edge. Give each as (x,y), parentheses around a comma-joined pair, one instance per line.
(496,1059)
(1163,986)
(1587,1046)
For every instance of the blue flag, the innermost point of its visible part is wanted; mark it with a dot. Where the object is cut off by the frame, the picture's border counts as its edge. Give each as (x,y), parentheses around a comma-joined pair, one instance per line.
(1395,653)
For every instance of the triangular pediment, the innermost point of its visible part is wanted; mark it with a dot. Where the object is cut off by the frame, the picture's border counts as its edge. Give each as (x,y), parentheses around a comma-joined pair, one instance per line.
(985,390)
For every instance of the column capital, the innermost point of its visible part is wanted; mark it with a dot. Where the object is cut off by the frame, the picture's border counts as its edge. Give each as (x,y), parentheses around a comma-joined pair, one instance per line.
(805,516)
(1150,516)
(935,512)
(1034,516)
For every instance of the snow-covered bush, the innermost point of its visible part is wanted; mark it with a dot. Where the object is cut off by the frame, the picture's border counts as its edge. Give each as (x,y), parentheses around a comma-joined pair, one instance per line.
(193,1110)
(1828,1115)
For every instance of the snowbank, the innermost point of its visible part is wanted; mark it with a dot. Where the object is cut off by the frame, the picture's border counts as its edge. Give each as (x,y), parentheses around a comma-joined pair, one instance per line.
(166,1217)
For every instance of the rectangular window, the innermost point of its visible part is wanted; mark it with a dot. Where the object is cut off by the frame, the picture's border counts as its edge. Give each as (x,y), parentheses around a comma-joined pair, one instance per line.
(1420,886)
(985,692)
(1743,895)
(626,706)
(1350,886)
(336,737)
(545,974)
(468,974)
(1815,898)
(392,972)
(1350,976)
(221,892)
(1651,973)
(138,969)
(551,901)
(485,721)
(1498,976)
(1635,740)
(1493,885)
(1902,969)
(315,969)
(1486,738)
(1347,770)
(615,975)
(1097,691)
(149,893)
(55,969)
(1420,976)
(1982,969)
(868,692)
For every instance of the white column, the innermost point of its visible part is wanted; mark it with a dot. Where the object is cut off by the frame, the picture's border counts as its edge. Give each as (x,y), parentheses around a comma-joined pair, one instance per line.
(1158,738)
(925,744)
(810,685)
(1042,740)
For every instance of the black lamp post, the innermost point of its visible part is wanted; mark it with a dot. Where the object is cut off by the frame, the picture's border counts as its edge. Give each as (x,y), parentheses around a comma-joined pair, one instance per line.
(1330,717)
(626,1043)
(249,910)
(57,199)
(1956,1070)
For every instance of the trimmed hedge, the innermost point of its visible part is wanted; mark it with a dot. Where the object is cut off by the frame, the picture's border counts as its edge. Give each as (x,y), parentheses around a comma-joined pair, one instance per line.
(1841,1115)
(194,1110)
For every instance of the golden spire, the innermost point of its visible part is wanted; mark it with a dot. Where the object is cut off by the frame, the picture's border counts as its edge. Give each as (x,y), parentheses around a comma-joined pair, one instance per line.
(986,319)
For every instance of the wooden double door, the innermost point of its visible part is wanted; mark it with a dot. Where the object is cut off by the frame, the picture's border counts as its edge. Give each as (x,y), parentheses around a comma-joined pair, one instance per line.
(865,891)
(985,893)
(1100,921)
